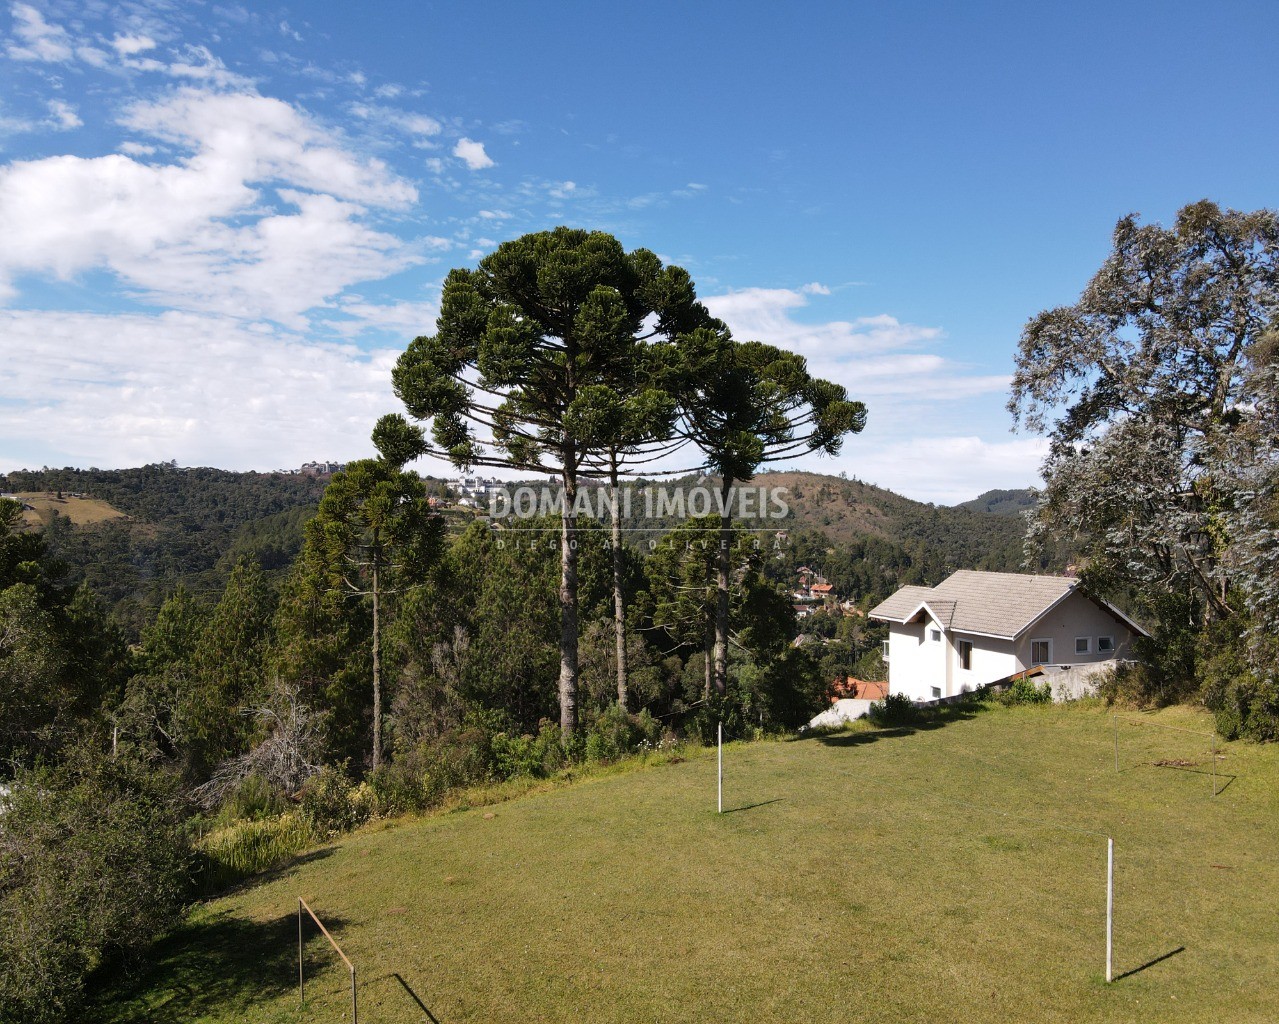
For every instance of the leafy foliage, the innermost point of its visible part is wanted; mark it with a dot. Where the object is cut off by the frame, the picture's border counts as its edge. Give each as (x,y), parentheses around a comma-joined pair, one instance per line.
(1158,390)
(93,867)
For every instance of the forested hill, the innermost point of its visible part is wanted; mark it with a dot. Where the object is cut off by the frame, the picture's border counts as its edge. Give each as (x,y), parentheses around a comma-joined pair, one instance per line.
(184,525)
(1003,503)
(189,525)
(868,541)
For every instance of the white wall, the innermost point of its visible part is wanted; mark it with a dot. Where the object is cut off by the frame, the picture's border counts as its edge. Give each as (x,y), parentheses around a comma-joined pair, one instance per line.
(916,663)
(992,660)
(1077,617)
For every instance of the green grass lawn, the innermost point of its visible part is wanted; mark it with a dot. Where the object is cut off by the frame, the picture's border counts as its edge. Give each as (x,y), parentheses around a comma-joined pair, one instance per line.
(867,876)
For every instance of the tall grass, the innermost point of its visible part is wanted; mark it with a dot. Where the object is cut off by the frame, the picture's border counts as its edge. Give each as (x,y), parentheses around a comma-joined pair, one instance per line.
(234,852)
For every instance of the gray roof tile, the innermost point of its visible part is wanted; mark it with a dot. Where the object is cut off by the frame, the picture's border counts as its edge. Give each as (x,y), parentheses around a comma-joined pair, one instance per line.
(994,603)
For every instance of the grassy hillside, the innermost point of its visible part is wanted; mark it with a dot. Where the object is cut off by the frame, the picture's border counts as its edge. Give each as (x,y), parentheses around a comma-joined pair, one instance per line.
(80,510)
(873,876)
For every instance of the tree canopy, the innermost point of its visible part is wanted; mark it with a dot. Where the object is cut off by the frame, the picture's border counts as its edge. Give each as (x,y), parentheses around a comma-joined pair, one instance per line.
(1155,391)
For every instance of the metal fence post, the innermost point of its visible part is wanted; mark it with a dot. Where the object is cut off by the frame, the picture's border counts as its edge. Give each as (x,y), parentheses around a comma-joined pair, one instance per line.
(1214,764)
(355,1013)
(301,989)
(1115,722)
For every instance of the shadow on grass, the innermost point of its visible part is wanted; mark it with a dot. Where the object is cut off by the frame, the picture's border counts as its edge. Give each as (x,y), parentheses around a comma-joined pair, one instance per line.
(1224,780)
(221,965)
(1151,963)
(751,807)
(414,996)
(928,720)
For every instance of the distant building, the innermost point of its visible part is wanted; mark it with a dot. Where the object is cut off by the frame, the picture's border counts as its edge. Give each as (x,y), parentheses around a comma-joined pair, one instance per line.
(476,487)
(321,468)
(976,628)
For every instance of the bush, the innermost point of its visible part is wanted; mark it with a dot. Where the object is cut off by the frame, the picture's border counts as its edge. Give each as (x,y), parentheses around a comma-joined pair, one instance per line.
(404,785)
(331,804)
(894,710)
(617,733)
(1024,691)
(93,868)
(534,756)
(252,800)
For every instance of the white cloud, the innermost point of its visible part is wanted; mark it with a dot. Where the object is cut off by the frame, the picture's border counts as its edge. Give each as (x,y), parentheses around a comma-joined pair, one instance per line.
(871,355)
(200,65)
(405,319)
(418,126)
(201,233)
(945,470)
(563,190)
(63,116)
(40,41)
(472,153)
(908,390)
(127,46)
(815,288)
(495,215)
(205,390)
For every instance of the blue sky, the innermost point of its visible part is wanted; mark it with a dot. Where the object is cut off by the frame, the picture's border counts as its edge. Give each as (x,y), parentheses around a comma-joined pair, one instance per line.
(219,224)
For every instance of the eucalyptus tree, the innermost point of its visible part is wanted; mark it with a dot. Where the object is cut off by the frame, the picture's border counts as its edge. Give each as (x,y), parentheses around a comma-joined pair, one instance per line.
(531,349)
(747,405)
(375,533)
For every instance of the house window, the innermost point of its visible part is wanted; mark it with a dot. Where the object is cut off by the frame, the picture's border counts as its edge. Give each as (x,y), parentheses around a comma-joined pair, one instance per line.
(1041,652)
(965,654)
(1105,645)
(1083,645)
(934,635)
(936,693)
(885,650)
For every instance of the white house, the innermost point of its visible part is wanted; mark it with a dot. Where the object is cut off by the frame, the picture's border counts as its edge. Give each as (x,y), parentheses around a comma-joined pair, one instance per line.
(975,628)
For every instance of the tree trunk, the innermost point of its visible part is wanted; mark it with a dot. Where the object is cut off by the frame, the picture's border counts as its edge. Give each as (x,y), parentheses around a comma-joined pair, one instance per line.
(619,603)
(722,562)
(568,599)
(708,651)
(377,666)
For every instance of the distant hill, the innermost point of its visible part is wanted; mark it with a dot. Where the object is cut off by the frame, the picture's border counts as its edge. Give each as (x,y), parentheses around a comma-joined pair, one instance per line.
(147,529)
(1003,503)
(134,534)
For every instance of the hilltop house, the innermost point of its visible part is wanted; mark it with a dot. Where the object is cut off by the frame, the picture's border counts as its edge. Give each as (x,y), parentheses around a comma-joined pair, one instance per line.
(976,628)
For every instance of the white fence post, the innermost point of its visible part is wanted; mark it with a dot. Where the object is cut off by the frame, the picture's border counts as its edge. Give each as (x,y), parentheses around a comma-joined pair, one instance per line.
(719,730)
(1110,907)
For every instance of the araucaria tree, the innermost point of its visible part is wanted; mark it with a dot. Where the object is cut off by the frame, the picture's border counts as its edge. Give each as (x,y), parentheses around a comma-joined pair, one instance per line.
(530,349)
(1152,388)
(375,534)
(747,405)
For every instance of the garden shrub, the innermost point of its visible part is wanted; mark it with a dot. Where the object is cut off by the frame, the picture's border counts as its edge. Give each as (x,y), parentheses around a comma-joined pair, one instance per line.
(1025,691)
(894,710)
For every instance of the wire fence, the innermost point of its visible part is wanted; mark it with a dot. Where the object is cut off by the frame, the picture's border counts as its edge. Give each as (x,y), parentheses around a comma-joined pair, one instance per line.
(355,1012)
(1136,722)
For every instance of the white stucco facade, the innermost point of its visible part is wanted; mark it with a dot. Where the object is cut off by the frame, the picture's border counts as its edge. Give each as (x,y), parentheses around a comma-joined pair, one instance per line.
(930,655)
